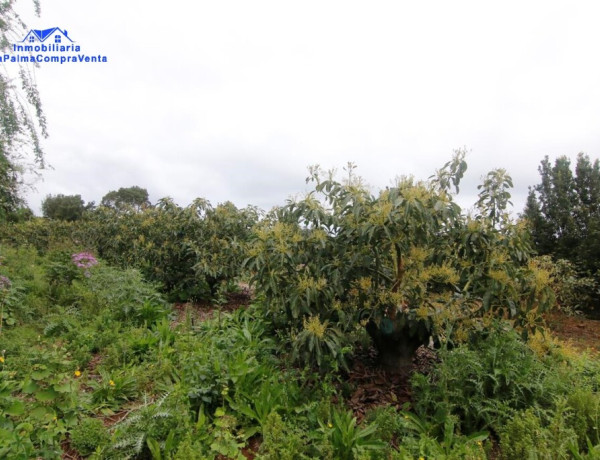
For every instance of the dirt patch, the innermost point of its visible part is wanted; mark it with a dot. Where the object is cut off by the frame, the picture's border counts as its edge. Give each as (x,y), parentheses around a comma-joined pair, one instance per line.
(68,453)
(199,311)
(582,333)
(252,447)
(94,362)
(371,385)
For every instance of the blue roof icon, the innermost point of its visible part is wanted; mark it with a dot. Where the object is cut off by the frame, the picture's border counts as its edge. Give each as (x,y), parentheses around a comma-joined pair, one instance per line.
(42,35)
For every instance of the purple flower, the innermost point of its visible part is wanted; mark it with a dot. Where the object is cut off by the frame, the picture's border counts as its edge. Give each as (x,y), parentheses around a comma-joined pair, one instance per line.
(4,282)
(84,260)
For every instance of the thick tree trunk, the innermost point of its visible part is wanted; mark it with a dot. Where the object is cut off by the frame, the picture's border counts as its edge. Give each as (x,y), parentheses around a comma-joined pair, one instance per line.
(397,347)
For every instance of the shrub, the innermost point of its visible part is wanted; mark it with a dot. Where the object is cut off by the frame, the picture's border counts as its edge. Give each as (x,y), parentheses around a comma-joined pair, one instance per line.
(88,435)
(484,382)
(282,441)
(584,406)
(537,434)
(439,438)
(125,293)
(574,292)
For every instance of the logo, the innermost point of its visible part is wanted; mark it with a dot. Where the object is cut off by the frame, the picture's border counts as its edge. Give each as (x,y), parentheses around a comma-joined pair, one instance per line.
(49,45)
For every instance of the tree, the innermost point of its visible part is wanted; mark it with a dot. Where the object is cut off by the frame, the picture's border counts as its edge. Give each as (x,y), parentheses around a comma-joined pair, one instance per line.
(22,121)
(135,197)
(405,264)
(563,211)
(63,207)
(193,252)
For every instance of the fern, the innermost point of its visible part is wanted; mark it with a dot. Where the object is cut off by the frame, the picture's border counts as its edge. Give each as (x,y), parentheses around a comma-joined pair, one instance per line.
(159,421)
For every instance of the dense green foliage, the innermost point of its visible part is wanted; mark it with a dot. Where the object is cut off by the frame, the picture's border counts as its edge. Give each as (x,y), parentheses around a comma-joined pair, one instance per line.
(76,356)
(406,263)
(563,215)
(192,253)
(134,197)
(22,121)
(539,405)
(63,207)
(563,211)
(94,359)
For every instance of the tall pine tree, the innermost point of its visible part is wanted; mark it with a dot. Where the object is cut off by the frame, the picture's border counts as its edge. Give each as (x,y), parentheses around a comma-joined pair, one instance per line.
(563,211)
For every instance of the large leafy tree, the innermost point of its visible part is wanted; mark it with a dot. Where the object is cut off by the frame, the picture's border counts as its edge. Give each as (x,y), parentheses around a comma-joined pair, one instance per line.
(63,207)
(22,121)
(563,211)
(126,197)
(405,263)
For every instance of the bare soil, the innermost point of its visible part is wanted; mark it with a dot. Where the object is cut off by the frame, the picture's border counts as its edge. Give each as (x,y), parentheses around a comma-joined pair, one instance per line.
(580,332)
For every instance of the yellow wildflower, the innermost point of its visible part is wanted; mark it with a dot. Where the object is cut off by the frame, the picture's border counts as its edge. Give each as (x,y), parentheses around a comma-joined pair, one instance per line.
(111,383)
(77,373)
(330,425)
(1,359)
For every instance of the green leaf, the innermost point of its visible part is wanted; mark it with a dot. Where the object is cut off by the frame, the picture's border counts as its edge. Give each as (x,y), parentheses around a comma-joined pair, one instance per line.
(30,387)
(40,374)
(39,413)
(66,387)
(46,395)
(15,409)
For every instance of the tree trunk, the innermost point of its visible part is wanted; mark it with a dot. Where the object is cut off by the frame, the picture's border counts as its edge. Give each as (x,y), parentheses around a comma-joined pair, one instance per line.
(397,342)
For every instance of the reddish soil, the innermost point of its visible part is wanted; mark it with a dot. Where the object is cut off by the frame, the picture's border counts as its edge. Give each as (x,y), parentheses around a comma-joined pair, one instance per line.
(94,362)
(68,452)
(252,447)
(580,332)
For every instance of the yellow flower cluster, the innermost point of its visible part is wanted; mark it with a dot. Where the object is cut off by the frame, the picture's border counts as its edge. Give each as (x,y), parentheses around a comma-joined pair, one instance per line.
(308,282)
(314,325)
(443,273)
(422,312)
(499,275)
(418,254)
(381,212)
(418,192)
(364,283)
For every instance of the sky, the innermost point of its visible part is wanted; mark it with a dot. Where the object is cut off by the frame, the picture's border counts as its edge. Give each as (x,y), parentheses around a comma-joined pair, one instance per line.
(233,100)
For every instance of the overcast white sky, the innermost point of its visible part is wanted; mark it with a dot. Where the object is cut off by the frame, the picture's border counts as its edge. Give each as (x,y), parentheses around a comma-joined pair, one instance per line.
(232,100)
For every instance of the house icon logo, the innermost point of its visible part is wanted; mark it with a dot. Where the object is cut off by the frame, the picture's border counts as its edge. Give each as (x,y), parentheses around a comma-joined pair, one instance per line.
(54,35)
(49,45)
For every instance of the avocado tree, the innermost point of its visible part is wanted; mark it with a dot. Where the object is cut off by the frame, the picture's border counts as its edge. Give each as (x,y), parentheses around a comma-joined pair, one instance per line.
(189,250)
(406,264)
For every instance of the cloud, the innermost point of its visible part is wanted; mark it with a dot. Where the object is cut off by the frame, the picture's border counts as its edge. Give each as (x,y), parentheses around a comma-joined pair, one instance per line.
(233,100)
